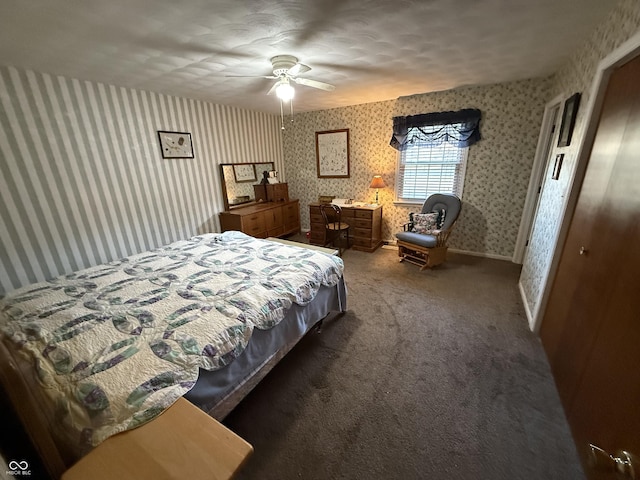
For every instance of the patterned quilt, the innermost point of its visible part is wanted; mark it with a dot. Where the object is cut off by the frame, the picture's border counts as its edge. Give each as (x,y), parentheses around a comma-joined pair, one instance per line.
(116,344)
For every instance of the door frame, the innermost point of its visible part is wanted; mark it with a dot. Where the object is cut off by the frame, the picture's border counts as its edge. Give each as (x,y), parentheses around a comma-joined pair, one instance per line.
(619,56)
(541,159)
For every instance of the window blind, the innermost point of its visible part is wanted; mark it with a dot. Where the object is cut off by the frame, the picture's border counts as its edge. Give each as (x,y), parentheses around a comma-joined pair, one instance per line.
(425,169)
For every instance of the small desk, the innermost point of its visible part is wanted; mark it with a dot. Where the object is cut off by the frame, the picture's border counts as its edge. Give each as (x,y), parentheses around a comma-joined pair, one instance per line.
(365,224)
(183,442)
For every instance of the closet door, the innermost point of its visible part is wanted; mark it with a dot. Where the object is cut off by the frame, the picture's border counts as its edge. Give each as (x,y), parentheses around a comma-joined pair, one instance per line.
(591,327)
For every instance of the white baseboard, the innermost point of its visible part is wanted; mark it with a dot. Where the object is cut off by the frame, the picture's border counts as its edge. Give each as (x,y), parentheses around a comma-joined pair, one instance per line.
(479,254)
(525,304)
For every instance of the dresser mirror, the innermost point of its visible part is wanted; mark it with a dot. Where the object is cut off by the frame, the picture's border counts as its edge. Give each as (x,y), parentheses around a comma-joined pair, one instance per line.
(238,180)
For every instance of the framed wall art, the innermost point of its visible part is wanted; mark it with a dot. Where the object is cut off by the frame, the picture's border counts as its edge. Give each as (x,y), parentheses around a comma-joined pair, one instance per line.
(175,144)
(332,153)
(243,172)
(568,120)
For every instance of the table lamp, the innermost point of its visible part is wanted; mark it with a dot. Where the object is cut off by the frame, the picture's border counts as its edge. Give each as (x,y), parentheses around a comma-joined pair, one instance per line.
(377,183)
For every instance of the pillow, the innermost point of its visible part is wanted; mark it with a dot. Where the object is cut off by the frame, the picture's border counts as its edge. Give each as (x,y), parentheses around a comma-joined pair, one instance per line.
(425,222)
(441,214)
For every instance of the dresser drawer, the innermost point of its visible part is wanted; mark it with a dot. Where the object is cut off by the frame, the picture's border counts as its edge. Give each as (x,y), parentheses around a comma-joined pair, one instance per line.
(275,232)
(348,214)
(273,218)
(361,223)
(362,232)
(291,213)
(361,242)
(363,214)
(317,238)
(317,218)
(254,224)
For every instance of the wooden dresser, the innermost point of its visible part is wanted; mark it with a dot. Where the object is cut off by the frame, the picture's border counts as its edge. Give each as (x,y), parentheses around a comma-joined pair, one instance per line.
(264,219)
(276,192)
(365,222)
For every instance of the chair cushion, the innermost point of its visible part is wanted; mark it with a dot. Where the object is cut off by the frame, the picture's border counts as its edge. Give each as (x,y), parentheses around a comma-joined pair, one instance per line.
(425,223)
(428,241)
(338,226)
(450,203)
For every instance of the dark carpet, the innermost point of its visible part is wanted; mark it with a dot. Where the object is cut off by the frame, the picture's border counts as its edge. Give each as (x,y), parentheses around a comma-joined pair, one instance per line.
(429,375)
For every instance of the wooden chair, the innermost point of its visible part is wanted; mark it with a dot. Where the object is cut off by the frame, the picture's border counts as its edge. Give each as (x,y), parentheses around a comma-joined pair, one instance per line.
(334,226)
(429,248)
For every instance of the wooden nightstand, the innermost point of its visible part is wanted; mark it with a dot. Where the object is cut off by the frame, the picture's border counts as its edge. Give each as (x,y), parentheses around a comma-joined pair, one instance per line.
(183,442)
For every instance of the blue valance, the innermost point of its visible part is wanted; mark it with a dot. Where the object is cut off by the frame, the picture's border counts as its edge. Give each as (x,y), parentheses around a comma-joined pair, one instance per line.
(461,128)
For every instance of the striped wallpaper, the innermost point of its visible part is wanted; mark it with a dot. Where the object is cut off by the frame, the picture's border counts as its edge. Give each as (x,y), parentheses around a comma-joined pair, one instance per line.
(83,181)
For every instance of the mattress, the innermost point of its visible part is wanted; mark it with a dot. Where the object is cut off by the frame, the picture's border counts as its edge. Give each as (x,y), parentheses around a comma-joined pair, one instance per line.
(116,344)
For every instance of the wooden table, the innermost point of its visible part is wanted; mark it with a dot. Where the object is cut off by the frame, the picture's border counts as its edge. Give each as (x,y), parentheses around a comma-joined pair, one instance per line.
(183,442)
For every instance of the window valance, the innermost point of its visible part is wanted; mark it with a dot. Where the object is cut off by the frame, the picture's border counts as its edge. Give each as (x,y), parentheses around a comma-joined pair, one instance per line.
(461,128)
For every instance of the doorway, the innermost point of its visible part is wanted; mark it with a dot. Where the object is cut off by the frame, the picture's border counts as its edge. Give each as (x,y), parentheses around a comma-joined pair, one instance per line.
(590,330)
(546,140)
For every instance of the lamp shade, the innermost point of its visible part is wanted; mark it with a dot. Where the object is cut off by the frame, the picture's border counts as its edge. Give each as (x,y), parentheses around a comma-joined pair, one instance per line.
(377,182)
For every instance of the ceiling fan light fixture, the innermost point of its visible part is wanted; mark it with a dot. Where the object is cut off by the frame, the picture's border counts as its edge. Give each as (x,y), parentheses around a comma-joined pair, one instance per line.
(284,91)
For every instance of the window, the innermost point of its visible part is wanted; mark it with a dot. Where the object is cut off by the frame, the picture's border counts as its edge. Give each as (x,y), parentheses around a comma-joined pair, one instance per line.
(425,168)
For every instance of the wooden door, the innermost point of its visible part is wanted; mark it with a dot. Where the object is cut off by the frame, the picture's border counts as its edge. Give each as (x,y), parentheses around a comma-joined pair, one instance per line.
(591,327)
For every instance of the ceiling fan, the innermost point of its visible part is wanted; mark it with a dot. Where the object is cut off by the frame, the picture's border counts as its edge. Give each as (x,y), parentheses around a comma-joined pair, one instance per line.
(286,69)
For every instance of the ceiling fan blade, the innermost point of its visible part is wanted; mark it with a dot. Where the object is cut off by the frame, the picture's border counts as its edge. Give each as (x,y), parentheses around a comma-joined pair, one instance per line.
(273,88)
(314,83)
(252,76)
(298,69)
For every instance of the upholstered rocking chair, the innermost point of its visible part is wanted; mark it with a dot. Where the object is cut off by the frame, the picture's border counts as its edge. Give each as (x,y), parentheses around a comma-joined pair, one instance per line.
(424,239)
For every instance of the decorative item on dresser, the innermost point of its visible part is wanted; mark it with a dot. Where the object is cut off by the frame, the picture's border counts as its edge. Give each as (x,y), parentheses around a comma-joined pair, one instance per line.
(366,226)
(264,219)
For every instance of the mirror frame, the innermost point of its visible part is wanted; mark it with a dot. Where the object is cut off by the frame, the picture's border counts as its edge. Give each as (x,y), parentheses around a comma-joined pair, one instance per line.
(223,181)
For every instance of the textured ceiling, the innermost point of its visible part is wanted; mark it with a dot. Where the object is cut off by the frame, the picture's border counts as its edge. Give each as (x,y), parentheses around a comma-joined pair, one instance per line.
(371,50)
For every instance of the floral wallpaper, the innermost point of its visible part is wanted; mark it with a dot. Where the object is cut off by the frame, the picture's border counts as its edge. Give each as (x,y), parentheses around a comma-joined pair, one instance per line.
(576,76)
(497,172)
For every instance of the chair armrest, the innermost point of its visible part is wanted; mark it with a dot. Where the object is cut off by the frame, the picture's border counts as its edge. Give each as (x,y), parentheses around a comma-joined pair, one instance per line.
(407,227)
(442,236)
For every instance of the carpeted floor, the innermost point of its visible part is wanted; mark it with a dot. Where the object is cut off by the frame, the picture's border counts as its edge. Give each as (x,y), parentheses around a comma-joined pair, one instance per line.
(429,375)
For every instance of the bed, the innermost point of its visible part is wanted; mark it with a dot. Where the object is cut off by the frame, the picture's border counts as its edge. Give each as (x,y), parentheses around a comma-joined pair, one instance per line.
(90,354)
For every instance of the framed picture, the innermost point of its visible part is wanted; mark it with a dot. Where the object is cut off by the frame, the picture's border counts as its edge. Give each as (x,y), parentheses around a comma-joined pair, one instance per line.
(568,120)
(557,166)
(244,172)
(332,153)
(175,144)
